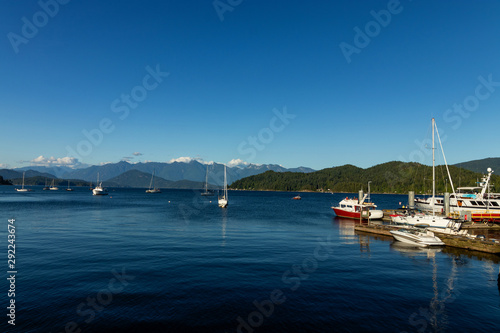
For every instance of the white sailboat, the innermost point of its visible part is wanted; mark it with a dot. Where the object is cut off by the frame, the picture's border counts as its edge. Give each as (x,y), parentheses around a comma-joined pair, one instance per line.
(99,190)
(69,188)
(430,220)
(53,187)
(22,189)
(207,192)
(152,188)
(223,199)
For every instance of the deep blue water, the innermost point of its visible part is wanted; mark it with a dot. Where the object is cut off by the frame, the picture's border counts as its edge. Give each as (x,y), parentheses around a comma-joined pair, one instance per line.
(175,262)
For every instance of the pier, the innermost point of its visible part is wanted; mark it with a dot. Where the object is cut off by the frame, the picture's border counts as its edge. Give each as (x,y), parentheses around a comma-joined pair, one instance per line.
(458,241)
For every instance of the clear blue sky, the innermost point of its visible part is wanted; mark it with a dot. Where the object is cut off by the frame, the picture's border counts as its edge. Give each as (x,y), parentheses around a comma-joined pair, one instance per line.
(286,82)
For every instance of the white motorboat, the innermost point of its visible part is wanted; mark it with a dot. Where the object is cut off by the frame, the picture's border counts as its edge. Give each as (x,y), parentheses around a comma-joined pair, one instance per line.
(417,236)
(223,200)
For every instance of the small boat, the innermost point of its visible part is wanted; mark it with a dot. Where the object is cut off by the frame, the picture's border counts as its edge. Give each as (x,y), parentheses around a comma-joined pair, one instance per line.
(46,187)
(355,209)
(22,189)
(297,197)
(417,236)
(53,187)
(223,199)
(99,190)
(207,192)
(69,188)
(152,188)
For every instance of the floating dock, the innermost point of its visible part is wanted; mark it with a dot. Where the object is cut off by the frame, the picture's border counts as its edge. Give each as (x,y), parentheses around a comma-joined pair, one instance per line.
(457,241)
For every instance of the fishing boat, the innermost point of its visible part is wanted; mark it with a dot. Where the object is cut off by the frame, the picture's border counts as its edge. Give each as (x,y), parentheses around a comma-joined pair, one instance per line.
(22,189)
(99,190)
(430,220)
(207,192)
(361,208)
(53,187)
(223,200)
(417,236)
(152,188)
(355,209)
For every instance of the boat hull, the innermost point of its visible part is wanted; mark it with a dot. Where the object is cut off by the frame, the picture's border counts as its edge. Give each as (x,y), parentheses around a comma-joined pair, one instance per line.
(374,214)
(419,238)
(99,192)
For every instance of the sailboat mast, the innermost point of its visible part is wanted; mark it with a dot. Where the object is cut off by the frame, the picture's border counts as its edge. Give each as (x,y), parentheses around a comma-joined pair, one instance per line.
(206,181)
(433,167)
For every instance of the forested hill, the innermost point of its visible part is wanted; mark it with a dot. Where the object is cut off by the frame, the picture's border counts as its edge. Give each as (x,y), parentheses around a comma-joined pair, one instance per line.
(391,177)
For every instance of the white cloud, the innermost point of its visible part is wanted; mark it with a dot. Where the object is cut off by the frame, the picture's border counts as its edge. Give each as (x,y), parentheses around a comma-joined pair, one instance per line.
(237,163)
(4,166)
(186,159)
(137,154)
(67,161)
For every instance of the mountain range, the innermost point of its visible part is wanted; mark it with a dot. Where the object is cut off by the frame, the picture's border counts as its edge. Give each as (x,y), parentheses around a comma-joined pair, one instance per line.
(191,170)
(178,174)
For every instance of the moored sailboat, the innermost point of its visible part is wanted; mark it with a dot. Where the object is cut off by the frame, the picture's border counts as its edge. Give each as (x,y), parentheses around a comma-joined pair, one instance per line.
(430,220)
(22,189)
(152,188)
(223,200)
(99,190)
(207,192)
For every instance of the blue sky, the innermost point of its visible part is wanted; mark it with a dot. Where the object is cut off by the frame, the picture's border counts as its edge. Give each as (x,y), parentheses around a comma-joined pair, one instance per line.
(285,82)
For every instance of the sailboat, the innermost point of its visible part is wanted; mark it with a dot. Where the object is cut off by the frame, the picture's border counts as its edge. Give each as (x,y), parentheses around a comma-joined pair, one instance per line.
(152,188)
(53,187)
(207,192)
(99,190)
(22,189)
(223,198)
(429,220)
(46,187)
(69,188)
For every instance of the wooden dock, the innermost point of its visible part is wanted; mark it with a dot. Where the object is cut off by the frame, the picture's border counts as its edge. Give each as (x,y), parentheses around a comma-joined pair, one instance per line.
(482,245)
